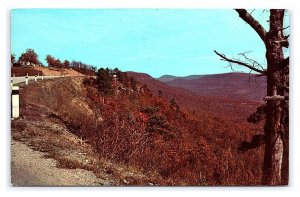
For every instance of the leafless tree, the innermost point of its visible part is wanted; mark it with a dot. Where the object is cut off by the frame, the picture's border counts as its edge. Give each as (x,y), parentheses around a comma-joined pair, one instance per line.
(275,169)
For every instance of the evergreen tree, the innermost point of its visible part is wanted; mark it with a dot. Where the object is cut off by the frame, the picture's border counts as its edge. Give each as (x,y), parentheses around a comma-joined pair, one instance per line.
(104,81)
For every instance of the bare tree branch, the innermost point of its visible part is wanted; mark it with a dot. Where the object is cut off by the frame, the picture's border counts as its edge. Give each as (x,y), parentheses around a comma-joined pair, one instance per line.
(252,22)
(284,43)
(286,61)
(224,58)
(254,63)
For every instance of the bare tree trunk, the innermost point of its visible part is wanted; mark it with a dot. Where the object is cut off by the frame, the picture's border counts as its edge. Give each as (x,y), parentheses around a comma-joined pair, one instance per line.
(274,121)
(275,169)
(274,145)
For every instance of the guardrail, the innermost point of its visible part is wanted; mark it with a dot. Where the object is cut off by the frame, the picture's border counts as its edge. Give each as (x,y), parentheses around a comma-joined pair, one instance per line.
(15,98)
(27,79)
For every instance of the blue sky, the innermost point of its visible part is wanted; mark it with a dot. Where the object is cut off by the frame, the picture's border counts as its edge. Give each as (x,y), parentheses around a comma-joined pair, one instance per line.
(155,41)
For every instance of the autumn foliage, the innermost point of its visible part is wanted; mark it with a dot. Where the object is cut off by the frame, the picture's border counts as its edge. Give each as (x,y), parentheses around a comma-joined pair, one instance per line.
(138,128)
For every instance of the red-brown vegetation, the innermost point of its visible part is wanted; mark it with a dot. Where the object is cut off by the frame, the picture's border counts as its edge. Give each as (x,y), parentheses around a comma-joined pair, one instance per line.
(23,71)
(144,130)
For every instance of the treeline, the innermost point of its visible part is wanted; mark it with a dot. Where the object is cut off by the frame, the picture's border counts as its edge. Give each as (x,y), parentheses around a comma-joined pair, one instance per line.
(30,58)
(76,65)
(83,68)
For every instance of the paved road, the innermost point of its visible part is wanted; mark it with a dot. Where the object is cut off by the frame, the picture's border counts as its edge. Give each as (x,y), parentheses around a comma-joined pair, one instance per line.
(17,80)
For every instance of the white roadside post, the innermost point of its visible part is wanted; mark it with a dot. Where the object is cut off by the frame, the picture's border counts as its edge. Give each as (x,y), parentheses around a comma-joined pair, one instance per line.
(35,78)
(15,111)
(26,80)
(42,77)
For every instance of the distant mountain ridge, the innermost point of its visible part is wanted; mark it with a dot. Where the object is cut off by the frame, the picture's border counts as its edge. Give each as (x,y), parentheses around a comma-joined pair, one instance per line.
(167,78)
(229,85)
(215,104)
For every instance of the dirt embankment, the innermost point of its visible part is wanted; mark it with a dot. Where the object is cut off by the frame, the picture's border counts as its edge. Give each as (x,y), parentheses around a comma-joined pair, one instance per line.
(57,72)
(46,152)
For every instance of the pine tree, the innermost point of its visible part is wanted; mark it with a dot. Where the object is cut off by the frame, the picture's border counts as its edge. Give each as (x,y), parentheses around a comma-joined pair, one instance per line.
(104,81)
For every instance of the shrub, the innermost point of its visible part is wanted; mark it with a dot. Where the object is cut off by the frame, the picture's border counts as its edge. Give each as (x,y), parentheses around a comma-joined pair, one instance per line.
(88,81)
(150,110)
(157,123)
(23,71)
